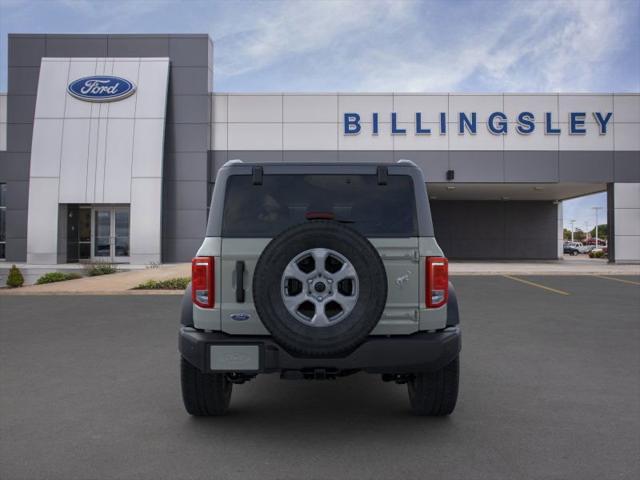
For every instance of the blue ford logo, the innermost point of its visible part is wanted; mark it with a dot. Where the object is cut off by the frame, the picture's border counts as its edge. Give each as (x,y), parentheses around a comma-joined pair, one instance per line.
(240,317)
(101,88)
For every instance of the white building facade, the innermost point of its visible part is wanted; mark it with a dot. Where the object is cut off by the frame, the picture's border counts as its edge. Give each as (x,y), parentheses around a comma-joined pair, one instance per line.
(128,179)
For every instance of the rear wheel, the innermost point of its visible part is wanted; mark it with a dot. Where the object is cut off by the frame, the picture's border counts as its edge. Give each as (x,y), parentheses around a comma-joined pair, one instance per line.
(204,394)
(435,394)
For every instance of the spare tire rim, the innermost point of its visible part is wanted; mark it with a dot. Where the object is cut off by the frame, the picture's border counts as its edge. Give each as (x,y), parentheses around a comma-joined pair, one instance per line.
(320,287)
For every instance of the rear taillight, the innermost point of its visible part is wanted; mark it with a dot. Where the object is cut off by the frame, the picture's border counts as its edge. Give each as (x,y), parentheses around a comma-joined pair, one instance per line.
(202,282)
(437,276)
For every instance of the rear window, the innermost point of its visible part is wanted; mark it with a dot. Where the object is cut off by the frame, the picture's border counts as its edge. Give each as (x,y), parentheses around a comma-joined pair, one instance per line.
(286,200)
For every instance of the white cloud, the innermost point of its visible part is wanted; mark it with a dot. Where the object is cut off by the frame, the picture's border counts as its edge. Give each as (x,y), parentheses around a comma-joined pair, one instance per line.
(405,46)
(292,29)
(377,45)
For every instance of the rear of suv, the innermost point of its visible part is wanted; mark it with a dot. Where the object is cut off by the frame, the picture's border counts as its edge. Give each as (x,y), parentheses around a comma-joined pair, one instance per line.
(317,271)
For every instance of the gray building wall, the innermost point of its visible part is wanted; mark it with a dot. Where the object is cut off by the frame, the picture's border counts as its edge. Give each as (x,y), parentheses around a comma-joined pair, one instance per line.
(471,166)
(186,135)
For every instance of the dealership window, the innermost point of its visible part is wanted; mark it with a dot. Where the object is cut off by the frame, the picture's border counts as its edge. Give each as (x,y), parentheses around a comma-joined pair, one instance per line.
(3,220)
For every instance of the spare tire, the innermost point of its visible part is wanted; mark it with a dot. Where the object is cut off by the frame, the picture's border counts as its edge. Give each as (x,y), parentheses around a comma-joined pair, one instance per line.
(319,288)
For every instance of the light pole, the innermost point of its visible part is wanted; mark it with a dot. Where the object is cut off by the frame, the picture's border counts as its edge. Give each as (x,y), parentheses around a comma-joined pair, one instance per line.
(572,222)
(586,231)
(596,210)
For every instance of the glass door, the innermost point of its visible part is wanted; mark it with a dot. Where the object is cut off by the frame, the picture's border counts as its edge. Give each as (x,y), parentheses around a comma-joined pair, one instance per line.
(121,234)
(78,232)
(84,232)
(111,234)
(102,234)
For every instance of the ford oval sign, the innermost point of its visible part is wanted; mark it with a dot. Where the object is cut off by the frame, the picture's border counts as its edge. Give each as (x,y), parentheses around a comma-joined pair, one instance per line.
(101,88)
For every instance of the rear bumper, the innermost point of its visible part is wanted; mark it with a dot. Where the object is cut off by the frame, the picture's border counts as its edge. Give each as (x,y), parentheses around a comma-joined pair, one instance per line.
(419,352)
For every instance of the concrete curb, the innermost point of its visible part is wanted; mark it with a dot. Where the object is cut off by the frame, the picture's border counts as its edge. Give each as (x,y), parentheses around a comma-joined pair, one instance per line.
(18,292)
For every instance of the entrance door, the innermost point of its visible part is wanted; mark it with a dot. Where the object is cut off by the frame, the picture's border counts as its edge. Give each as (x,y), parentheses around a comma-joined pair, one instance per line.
(111,234)
(78,232)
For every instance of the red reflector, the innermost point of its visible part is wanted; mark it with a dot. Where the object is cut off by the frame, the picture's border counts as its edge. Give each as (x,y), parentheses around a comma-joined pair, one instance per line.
(437,276)
(319,215)
(202,282)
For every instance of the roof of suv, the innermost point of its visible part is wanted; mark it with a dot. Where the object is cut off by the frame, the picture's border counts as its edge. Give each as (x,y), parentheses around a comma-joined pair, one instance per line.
(237,163)
(237,167)
(402,167)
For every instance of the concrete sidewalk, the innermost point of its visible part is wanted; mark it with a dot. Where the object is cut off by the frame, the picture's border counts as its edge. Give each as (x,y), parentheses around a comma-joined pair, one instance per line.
(115,283)
(581,265)
(123,282)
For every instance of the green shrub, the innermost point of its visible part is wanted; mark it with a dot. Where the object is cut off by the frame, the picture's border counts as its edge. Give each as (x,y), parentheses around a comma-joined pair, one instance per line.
(179,283)
(95,269)
(15,278)
(597,254)
(52,277)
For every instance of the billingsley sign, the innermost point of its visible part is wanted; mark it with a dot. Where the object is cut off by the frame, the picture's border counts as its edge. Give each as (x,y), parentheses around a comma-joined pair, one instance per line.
(497,123)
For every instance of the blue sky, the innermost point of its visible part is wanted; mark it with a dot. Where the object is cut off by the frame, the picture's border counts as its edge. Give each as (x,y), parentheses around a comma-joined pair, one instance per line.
(369,45)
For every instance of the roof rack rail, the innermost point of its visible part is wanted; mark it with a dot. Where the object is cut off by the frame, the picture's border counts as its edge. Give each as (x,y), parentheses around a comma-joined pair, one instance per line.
(232,162)
(405,161)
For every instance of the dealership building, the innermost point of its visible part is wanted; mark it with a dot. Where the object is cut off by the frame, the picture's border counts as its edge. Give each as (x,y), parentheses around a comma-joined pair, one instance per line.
(110,144)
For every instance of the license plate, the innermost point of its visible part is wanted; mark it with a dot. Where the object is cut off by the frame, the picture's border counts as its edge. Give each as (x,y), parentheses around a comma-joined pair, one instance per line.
(234,358)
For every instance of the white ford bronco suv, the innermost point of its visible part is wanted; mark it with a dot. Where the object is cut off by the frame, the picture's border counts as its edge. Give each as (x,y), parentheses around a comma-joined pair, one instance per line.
(318,271)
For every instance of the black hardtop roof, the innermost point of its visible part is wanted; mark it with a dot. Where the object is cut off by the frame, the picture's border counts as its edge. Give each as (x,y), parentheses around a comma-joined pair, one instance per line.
(236,164)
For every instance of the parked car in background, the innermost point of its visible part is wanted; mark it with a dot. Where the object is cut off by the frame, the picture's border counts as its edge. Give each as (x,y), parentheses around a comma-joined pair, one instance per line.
(592,241)
(574,248)
(571,248)
(585,248)
(599,252)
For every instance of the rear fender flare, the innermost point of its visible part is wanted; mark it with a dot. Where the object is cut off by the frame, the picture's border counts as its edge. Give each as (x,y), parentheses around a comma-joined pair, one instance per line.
(186,308)
(453,315)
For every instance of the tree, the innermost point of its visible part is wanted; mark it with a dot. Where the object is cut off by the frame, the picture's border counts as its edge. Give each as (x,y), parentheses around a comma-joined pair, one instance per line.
(603,231)
(579,235)
(15,278)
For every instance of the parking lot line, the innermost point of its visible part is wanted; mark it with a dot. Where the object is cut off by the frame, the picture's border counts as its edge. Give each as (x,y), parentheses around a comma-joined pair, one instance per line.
(631,282)
(534,284)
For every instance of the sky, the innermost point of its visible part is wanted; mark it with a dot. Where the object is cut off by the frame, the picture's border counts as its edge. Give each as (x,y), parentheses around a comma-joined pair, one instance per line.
(377,45)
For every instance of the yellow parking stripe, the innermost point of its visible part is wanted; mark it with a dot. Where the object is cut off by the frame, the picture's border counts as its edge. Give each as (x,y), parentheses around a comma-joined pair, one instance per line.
(631,282)
(534,284)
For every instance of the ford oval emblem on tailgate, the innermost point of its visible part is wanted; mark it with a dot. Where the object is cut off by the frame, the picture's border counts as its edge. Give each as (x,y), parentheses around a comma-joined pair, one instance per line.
(240,317)
(101,88)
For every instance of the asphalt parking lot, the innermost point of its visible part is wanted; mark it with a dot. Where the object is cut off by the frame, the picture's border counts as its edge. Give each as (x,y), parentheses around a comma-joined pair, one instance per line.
(550,389)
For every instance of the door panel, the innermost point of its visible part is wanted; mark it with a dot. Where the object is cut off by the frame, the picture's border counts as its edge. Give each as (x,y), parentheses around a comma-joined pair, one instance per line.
(102,228)
(111,233)
(246,250)
(72,233)
(121,232)
(401,261)
(84,233)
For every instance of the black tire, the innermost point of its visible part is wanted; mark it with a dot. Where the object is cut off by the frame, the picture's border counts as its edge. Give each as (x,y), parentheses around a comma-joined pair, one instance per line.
(435,394)
(204,394)
(333,340)
(574,252)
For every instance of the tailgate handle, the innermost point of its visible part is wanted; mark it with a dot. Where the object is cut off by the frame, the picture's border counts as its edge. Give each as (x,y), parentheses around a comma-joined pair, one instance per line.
(240,281)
